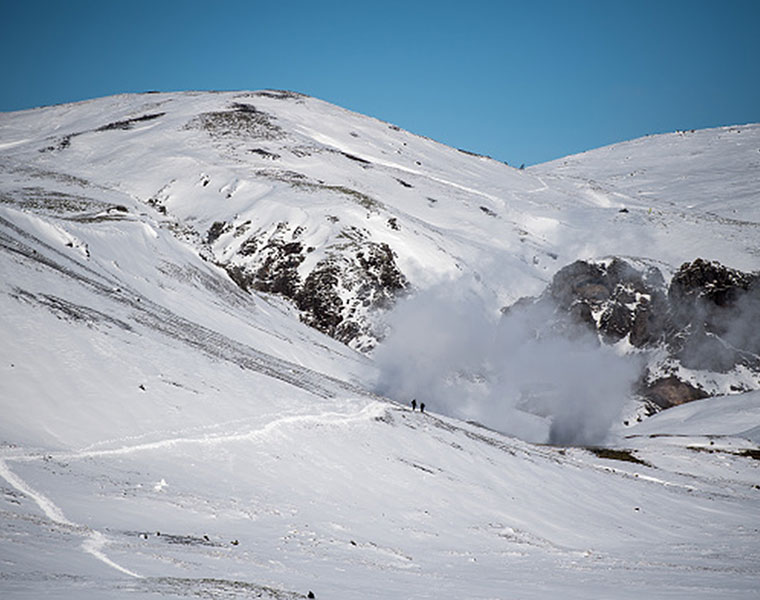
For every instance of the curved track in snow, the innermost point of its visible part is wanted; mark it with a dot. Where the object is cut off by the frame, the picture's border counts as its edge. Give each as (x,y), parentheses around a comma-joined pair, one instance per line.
(94,542)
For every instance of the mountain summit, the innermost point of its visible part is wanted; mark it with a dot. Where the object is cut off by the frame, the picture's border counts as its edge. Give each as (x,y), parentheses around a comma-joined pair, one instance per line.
(217,307)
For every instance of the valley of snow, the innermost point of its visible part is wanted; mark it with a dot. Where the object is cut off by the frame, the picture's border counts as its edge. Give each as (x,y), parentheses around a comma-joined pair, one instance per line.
(164,433)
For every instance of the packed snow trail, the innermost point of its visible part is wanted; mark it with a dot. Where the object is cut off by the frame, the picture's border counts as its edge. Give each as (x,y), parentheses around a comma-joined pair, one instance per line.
(94,540)
(374,409)
(51,511)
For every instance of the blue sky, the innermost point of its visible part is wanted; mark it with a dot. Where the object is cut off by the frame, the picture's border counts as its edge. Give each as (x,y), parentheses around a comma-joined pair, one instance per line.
(521,81)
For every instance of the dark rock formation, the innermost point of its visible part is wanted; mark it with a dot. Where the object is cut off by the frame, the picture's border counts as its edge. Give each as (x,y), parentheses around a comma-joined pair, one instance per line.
(318,298)
(704,321)
(615,299)
(336,295)
(367,278)
(716,310)
(709,284)
(241,120)
(278,270)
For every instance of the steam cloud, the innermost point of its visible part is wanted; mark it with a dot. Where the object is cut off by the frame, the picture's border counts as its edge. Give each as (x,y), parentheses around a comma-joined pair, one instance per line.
(510,372)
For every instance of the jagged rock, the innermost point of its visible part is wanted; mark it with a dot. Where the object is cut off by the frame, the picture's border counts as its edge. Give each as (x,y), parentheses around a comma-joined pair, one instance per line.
(709,293)
(380,269)
(337,294)
(648,324)
(367,280)
(611,299)
(319,299)
(616,321)
(580,314)
(705,320)
(278,272)
(578,281)
(710,283)
(714,310)
(216,229)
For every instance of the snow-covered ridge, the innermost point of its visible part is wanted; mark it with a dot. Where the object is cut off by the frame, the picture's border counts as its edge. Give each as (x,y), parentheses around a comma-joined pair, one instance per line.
(277,187)
(167,414)
(705,171)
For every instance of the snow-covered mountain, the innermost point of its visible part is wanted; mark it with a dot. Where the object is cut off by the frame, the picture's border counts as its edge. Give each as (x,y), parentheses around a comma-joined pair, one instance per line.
(207,299)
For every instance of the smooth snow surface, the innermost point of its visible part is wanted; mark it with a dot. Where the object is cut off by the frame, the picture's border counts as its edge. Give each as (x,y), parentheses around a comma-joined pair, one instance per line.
(165,434)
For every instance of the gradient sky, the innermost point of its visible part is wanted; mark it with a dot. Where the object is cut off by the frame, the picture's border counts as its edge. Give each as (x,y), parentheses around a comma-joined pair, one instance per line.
(524,82)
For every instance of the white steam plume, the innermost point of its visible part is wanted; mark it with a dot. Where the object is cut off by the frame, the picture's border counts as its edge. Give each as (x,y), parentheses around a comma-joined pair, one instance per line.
(511,373)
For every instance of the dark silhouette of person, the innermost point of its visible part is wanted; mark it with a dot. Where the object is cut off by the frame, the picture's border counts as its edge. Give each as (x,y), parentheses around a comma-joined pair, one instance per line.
(422,407)
(414,404)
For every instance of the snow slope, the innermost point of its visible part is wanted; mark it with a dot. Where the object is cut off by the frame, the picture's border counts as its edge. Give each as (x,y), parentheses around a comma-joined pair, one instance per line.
(380,502)
(165,433)
(700,188)
(704,170)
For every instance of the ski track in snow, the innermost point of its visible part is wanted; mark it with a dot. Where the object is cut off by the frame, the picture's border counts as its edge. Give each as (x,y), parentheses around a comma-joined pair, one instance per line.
(445,182)
(51,511)
(9,145)
(328,418)
(94,541)
(94,545)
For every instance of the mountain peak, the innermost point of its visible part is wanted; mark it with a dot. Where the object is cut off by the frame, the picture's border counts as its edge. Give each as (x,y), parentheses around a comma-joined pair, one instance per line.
(218,308)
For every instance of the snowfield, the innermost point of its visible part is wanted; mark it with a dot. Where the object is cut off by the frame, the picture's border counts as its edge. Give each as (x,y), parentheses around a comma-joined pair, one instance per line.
(166,433)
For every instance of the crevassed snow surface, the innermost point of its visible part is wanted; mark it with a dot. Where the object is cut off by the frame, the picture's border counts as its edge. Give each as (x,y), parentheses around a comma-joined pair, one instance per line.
(164,434)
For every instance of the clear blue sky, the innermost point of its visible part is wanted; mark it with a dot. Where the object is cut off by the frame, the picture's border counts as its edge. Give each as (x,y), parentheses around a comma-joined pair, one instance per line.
(521,81)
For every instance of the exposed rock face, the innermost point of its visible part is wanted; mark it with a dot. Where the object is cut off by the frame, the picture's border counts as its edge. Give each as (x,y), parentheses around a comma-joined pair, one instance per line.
(615,299)
(700,333)
(336,293)
(717,311)
(711,284)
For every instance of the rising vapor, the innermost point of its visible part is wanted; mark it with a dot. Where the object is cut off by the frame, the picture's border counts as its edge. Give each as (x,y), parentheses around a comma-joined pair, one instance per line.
(512,372)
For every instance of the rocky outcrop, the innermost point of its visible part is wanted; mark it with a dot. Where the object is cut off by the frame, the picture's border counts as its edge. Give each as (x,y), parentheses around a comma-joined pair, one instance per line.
(614,298)
(698,333)
(339,295)
(715,311)
(337,289)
